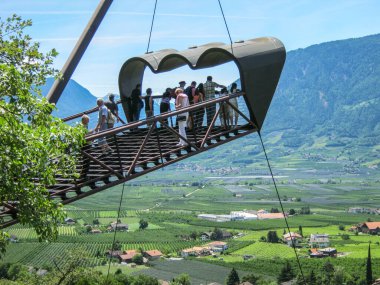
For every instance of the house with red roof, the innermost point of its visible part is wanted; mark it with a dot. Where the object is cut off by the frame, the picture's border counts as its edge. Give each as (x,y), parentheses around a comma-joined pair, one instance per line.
(290,238)
(128,255)
(372,228)
(152,254)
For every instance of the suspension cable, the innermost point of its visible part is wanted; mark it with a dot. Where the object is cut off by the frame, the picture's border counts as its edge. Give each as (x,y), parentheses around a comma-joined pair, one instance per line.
(282,209)
(151,26)
(225,22)
(114,236)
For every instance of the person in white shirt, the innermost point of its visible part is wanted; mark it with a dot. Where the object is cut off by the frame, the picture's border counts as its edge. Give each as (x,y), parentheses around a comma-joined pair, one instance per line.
(182,101)
(102,125)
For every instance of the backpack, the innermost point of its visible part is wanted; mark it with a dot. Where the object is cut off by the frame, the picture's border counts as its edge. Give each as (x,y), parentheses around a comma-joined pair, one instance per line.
(110,117)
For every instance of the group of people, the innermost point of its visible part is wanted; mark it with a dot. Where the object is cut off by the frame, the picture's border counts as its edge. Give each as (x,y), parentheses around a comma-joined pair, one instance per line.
(193,94)
(184,97)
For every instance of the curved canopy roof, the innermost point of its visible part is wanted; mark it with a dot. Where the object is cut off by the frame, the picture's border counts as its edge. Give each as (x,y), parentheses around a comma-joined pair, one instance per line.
(260,62)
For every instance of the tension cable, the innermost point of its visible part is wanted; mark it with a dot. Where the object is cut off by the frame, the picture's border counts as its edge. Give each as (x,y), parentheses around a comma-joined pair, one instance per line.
(282,209)
(151,26)
(225,22)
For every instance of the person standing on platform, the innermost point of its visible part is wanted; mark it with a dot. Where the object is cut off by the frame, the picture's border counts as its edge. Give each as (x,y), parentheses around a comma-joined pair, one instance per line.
(135,102)
(190,92)
(112,107)
(182,101)
(198,98)
(165,103)
(234,101)
(209,88)
(182,85)
(149,108)
(102,125)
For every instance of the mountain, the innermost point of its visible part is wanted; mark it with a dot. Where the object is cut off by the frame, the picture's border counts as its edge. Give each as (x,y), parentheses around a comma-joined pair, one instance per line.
(330,89)
(74,99)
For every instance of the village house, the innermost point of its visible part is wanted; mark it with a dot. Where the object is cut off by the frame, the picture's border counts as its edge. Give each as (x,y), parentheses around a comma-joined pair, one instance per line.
(319,240)
(323,252)
(218,246)
(196,251)
(206,236)
(372,228)
(113,253)
(152,254)
(70,221)
(315,253)
(226,235)
(329,251)
(118,227)
(127,256)
(288,237)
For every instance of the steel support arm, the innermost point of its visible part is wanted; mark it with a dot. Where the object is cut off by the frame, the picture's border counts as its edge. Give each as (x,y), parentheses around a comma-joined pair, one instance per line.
(78,51)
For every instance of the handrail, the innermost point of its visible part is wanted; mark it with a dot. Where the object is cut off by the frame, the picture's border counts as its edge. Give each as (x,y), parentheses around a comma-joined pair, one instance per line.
(163,116)
(95,109)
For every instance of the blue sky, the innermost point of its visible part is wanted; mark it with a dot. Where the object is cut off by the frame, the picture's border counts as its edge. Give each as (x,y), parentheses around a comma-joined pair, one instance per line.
(180,24)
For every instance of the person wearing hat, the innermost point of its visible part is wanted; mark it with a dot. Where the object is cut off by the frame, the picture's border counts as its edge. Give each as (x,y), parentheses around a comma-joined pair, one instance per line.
(182,84)
(112,107)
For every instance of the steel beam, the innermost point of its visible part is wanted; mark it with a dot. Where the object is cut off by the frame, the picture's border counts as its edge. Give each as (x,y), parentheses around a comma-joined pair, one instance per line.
(78,51)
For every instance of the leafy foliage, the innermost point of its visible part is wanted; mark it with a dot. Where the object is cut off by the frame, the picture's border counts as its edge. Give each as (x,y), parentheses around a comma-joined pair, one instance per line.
(143,224)
(233,278)
(286,273)
(34,146)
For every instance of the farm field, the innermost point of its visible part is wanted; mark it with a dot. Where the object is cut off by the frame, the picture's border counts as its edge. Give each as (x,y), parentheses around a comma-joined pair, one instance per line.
(170,205)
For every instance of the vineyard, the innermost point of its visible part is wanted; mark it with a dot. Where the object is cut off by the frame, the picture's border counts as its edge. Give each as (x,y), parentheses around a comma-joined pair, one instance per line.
(43,254)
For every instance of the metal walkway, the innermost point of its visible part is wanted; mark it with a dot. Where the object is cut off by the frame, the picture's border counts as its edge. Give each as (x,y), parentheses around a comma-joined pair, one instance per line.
(138,148)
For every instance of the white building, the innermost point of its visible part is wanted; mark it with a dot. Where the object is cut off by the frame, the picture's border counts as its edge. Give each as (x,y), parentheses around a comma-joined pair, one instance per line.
(242,215)
(319,240)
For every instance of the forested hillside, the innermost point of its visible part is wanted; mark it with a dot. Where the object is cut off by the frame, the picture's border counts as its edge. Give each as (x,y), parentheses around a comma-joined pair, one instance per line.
(331,89)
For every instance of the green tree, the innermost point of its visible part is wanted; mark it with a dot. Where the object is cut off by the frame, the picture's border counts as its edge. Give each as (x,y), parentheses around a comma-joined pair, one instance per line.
(143,224)
(327,272)
(368,275)
(300,230)
(182,279)
(338,277)
(272,237)
(233,278)
(33,144)
(138,259)
(312,278)
(15,270)
(292,212)
(217,234)
(144,280)
(286,273)
(193,235)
